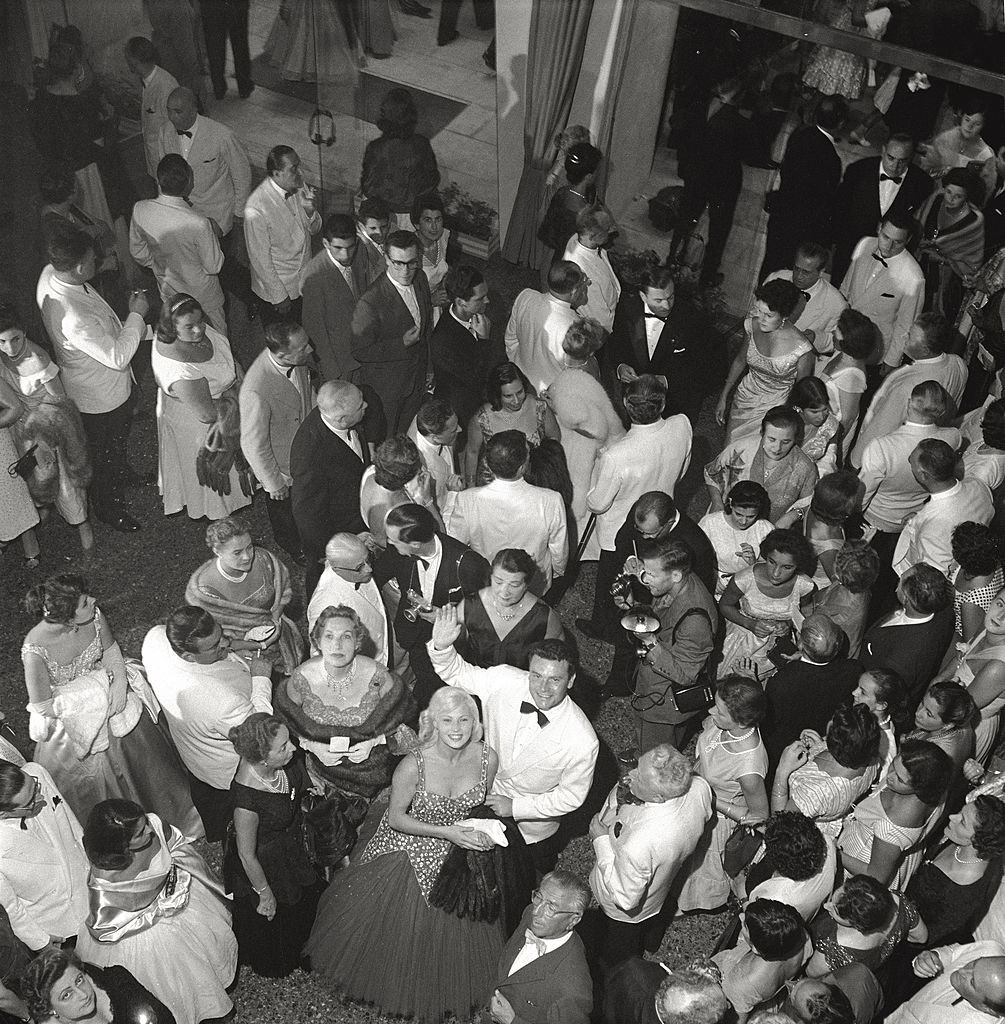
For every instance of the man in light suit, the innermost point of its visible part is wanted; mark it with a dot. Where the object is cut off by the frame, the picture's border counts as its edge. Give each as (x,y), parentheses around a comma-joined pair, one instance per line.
(656,331)
(870,189)
(43,867)
(279,220)
(329,453)
(93,348)
(547,747)
(333,282)
(276,397)
(596,230)
(158,84)
(885,283)
(538,323)
(511,513)
(218,160)
(543,976)
(435,431)
(390,331)
(177,243)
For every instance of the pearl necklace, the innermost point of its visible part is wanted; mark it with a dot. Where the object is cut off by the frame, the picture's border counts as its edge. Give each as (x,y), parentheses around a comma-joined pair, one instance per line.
(965,860)
(340,687)
(226,575)
(502,615)
(720,740)
(279,784)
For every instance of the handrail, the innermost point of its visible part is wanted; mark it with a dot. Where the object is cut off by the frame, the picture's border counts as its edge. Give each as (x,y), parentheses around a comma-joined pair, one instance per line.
(850,42)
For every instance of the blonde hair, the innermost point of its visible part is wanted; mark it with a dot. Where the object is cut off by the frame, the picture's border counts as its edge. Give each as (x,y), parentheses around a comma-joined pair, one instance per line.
(448,698)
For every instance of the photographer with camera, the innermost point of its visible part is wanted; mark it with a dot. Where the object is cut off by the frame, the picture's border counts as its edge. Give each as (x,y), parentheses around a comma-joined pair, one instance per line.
(673,658)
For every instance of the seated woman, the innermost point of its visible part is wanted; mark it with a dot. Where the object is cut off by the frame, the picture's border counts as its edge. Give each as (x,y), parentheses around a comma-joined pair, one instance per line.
(884,834)
(51,423)
(198,419)
(843,374)
(59,988)
(158,911)
(984,456)
(944,718)
(266,867)
(796,865)
(845,602)
(246,588)
(775,357)
(952,241)
(504,620)
(884,694)
(836,497)
(398,476)
(774,460)
(981,668)
(510,405)
(350,714)
(93,714)
(772,949)
(377,937)
(737,530)
(862,923)
(822,432)
(731,759)
(822,778)
(761,604)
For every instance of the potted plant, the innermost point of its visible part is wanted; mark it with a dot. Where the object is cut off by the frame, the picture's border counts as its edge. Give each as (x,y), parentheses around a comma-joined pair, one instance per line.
(473,222)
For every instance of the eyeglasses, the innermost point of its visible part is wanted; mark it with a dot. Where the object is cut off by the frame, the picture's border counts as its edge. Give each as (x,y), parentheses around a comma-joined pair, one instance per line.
(28,804)
(404,263)
(352,568)
(550,907)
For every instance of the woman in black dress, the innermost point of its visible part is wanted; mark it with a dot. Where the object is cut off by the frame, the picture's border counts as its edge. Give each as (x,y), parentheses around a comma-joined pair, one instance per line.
(266,866)
(504,620)
(58,987)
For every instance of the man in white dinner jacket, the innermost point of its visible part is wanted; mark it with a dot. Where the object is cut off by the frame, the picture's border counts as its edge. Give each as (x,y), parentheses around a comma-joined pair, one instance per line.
(547,748)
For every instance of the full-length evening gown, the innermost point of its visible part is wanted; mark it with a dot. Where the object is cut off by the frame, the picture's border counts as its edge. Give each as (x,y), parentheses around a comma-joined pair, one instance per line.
(311,45)
(141,766)
(766,383)
(377,937)
(482,646)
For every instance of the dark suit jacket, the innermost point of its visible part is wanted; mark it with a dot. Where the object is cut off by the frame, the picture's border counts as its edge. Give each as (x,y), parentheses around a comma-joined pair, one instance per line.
(553,988)
(328,309)
(713,160)
(460,364)
(689,353)
(809,177)
(802,696)
(630,992)
(326,477)
(994,223)
(913,652)
(378,323)
(856,206)
(706,564)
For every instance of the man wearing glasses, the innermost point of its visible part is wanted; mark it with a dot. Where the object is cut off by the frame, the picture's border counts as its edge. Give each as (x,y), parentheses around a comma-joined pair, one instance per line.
(542,971)
(390,332)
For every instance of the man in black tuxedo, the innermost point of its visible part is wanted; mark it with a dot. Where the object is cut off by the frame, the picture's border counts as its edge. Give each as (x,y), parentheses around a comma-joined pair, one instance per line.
(419,560)
(801,209)
(390,332)
(872,188)
(330,451)
(459,347)
(712,168)
(656,332)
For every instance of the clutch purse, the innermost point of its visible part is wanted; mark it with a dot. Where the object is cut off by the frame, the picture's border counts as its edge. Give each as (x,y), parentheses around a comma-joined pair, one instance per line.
(25,465)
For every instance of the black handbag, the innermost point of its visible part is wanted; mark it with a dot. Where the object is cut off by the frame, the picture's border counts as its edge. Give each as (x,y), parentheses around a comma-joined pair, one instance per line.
(25,465)
(741,848)
(688,699)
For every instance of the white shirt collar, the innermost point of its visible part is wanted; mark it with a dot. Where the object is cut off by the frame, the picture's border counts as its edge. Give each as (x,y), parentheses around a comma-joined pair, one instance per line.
(405,289)
(823,131)
(550,945)
(945,495)
(147,79)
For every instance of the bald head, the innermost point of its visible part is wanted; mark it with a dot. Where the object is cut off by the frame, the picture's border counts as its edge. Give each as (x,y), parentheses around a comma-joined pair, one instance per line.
(346,555)
(982,983)
(689,996)
(819,639)
(181,108)
(341,404)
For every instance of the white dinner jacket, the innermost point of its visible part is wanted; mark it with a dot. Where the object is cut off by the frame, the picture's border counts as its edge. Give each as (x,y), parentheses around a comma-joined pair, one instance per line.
(552,774)
(153,113)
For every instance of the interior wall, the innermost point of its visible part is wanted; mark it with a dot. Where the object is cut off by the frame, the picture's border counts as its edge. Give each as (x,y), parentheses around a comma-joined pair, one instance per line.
(512,45)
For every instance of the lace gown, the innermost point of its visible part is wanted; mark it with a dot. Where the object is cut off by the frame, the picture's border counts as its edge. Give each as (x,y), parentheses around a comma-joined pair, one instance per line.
(142,766)
(766,383)
(377,938)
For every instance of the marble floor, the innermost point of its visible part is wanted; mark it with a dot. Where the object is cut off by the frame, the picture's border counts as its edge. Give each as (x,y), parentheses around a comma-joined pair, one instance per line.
(465,148)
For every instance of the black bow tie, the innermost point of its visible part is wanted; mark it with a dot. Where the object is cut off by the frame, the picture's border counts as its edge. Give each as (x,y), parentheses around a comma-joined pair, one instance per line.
(526,708)
(424,562)
(625,795)
(181,132)
(288,370)
(806,296)
(886,177)
(876,256)
(291,193)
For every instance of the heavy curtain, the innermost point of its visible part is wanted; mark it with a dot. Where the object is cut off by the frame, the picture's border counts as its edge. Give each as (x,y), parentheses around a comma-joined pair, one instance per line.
(557,39)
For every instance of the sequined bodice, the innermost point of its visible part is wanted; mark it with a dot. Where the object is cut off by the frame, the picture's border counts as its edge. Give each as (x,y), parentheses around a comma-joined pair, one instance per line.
(60,675)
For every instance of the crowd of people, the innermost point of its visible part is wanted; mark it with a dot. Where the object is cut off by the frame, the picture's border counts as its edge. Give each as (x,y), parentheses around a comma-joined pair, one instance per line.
(393,785)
